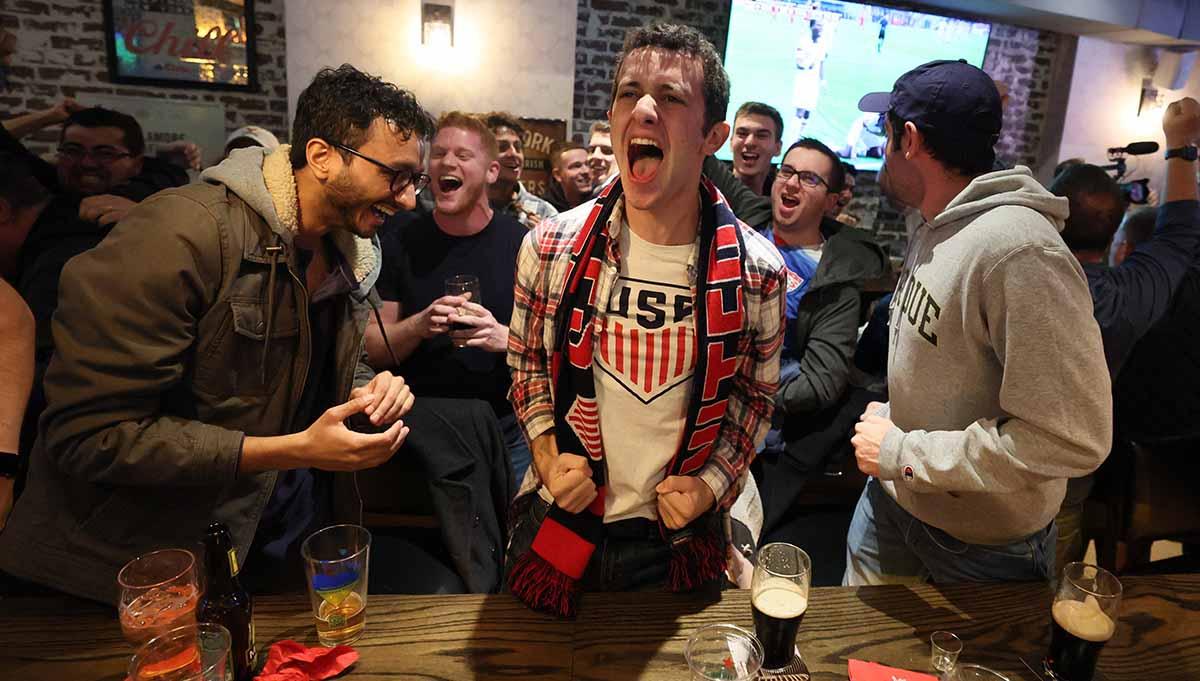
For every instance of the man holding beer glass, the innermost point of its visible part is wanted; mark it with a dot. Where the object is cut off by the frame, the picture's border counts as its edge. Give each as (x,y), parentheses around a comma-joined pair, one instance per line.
(998,385)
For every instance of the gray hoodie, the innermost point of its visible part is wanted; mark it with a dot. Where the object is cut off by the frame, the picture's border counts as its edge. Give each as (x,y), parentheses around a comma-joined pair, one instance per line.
(998,387)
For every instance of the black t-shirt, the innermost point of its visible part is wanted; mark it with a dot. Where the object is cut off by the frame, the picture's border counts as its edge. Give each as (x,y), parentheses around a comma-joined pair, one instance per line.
(418,258)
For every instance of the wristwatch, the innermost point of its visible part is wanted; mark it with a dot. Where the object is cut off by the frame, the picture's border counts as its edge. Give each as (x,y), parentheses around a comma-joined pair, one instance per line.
(9,464)
(1187,153)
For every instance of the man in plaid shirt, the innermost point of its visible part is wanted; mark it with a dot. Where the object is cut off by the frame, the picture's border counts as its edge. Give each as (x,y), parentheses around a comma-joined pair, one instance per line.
(652,457)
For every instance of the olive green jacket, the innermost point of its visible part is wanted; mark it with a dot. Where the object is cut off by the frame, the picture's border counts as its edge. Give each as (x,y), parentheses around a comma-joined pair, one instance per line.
(185,330)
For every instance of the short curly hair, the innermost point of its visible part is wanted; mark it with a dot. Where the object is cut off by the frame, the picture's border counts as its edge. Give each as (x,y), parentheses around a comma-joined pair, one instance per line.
(340,104)
(692,43)
(502,119)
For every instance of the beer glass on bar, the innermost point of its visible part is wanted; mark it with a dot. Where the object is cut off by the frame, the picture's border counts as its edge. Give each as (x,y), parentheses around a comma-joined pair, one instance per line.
(466,285)
(1083,618)
(197,652)
(779,597)
(159,592)
(335,560)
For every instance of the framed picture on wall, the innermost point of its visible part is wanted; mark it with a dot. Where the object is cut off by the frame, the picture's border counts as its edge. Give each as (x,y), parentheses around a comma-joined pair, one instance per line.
(181,43)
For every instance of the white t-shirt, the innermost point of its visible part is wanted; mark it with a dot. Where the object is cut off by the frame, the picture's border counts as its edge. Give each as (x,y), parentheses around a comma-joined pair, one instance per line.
(643,367)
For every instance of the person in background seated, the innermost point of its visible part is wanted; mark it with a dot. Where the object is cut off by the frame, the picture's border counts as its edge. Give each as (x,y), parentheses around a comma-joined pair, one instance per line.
(827,263)
(208,355)
(463,236)
(16,379)
(600,156)
(572,183)
(251,136)
(970,457)
(757,139)
(1132,296)
(645,349)
(507,194)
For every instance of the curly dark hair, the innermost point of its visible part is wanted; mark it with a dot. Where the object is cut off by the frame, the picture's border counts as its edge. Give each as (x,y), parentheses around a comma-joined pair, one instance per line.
(96,117)
(503,119)
(688,41)
(340,104)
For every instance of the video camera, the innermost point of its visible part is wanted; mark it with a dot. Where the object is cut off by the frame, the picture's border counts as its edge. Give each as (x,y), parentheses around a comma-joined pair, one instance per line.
(1135,191)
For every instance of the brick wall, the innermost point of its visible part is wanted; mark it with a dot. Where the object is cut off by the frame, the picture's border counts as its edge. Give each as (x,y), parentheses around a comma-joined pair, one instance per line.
(61,53)
(600,30)
(1023,58)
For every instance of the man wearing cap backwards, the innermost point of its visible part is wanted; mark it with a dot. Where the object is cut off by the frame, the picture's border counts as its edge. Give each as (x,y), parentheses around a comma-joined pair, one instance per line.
(996,375)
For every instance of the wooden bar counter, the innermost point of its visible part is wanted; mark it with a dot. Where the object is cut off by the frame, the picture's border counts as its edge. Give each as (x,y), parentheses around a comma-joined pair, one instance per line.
(642,636)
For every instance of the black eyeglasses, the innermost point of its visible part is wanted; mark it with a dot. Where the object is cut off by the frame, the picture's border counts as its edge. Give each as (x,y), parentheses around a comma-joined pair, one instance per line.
(807,177)
(103,155)
(401,177)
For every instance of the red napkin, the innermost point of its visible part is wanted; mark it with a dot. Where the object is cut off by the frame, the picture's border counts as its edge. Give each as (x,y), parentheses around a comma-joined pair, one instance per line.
(869,671)
(291,661)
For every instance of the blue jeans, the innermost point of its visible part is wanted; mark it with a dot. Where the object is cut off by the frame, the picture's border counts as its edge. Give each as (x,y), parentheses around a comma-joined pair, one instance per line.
(518,449)
(887,545)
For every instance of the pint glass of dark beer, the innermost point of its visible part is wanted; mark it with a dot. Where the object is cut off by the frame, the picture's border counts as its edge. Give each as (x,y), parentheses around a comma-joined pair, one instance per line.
(1083,618)
(779,596)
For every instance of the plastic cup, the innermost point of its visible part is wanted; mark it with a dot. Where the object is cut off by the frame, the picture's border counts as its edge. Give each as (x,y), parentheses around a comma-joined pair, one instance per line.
(336,560)
(723,652)
(197,652)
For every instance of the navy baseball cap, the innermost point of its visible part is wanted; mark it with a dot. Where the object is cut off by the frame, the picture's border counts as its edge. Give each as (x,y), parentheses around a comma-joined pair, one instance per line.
(943,95)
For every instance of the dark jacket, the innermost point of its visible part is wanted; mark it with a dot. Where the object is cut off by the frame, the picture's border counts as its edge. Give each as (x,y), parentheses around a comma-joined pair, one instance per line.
(1130,298)
(556,196)
(752,209)
(826,325)
(814,408)
(172,345)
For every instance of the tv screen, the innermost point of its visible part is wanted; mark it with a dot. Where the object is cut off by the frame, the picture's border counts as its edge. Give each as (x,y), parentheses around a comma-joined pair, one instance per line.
(813,61)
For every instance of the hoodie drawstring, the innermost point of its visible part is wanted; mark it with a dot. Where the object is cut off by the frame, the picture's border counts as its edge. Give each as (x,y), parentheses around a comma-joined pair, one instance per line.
(383,332)
(270,307)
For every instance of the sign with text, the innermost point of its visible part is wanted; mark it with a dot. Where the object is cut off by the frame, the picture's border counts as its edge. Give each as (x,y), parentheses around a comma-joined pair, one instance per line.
(181,43)
(540,135)
(165,120)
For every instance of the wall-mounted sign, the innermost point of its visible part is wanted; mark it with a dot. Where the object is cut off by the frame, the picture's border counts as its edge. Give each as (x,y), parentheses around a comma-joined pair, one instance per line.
(166,120)
(181,43)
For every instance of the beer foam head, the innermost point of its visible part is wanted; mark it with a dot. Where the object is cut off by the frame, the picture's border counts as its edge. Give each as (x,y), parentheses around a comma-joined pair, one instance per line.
(779,598)
(1084,619)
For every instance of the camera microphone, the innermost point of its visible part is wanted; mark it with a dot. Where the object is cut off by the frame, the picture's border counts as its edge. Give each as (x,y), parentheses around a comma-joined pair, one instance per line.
(1136,149)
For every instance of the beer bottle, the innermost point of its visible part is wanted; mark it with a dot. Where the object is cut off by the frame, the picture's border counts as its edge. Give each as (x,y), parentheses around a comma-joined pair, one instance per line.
(225,602)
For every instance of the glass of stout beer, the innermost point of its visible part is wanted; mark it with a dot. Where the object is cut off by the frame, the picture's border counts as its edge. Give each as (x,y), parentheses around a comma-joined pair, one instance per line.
(779,595)
(465,285)
(1084,617)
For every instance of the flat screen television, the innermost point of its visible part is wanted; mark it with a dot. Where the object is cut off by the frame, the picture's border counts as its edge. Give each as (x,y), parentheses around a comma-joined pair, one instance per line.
(813,61)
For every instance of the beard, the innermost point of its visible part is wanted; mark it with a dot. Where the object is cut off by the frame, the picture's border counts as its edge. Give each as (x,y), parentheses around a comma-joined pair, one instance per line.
(347,202)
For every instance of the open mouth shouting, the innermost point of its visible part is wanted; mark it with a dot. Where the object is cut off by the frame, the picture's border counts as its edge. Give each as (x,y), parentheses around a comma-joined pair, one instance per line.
(382,211)
(749,158)
(645,156)
(448,184)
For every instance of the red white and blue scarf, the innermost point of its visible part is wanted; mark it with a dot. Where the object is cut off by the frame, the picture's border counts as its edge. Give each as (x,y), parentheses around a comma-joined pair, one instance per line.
(546,577)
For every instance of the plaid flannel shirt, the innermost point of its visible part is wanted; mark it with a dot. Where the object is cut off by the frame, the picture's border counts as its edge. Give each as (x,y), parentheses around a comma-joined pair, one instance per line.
(541,275)
(526,204)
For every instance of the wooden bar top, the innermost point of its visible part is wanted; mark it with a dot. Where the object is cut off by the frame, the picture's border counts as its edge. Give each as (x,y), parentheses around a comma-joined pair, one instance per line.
(642,636)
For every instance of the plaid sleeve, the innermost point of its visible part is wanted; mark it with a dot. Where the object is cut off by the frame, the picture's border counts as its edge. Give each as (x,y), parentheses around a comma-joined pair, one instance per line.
(748,416)
(528,357)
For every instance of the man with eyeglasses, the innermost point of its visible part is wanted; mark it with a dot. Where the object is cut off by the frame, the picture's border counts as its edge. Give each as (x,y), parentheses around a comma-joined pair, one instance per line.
(463,235)
(827,264)
(210,357)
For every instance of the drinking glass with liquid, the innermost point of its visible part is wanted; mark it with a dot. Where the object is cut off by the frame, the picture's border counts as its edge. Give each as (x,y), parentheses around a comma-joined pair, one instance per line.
(159,592)
(779,597)
(336,560)
(196,652)
(467,286)
(1083,618)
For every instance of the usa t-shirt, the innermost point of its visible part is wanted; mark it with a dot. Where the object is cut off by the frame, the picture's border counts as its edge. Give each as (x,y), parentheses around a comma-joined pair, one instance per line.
(643,367)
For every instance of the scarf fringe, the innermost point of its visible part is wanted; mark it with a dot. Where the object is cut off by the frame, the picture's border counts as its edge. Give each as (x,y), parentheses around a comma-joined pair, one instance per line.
(696,561)
(543,587)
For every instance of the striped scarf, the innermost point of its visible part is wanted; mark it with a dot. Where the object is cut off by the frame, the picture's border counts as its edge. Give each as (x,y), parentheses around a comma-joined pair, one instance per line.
(546,577)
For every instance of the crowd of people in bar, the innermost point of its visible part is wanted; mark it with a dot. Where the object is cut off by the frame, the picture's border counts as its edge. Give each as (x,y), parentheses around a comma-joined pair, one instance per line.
(644,371)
